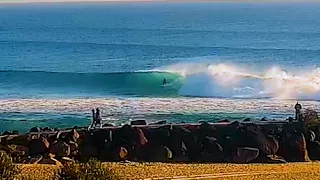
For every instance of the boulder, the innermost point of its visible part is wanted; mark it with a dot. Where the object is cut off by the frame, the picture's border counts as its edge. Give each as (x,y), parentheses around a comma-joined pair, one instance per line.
(107,125)
(263,120)
(138,122)
(15,132)
(271,145)
(224,121)
(123,153)
(73,135)
(35,129)
(142,139)
(17,140)
(159,122)
(245,154)
(87,151)
(38,146)
(247,120)
(73,146)
(159,153)
(6,133)
(35,160)
(60,149)
(314,150)
(51,160)
(294,148)
(47,129)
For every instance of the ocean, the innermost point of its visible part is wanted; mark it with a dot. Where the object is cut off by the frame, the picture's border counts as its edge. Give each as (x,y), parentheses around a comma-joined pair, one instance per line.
(221,60)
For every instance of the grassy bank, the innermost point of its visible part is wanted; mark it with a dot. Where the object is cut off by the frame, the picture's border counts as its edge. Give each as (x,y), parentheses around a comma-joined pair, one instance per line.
(194,171)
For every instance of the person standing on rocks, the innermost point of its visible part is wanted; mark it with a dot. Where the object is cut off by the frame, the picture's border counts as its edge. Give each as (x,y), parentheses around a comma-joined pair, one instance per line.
(98,118)
(93,119)
(298,108)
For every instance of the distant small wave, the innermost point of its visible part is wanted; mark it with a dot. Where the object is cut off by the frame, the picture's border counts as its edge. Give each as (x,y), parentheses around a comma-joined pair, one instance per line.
(162,46)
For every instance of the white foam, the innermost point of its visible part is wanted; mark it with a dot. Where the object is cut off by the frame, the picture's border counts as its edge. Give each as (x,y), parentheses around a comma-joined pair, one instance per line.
(203,79)
(141,107)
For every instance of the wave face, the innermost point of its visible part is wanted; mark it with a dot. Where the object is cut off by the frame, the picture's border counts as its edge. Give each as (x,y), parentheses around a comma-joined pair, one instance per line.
(185,79)
(37,84)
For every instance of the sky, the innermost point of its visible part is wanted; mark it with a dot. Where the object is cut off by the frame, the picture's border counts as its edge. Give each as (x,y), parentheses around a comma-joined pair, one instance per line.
(35,1)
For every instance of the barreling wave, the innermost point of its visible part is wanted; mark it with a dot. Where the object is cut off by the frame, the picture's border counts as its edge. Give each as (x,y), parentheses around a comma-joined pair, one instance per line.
(91,84)
(185,79)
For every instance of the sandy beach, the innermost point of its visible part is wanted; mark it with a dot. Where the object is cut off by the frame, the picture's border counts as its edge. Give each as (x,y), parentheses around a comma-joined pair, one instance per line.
(194,171)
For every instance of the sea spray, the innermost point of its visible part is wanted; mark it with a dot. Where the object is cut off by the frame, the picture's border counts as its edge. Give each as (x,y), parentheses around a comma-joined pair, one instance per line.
(224,80)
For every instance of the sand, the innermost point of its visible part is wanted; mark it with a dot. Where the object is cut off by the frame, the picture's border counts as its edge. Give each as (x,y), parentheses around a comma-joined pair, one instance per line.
(134,170)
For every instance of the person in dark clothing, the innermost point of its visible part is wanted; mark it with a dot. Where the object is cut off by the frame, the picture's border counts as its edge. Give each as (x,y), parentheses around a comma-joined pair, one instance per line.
(298,108)
(164,82)
(98,118)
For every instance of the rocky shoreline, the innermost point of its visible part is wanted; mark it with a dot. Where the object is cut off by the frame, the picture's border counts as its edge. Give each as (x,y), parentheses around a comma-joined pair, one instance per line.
(223,142)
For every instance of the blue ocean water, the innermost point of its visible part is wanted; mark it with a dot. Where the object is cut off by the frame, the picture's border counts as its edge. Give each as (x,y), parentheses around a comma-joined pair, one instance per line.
(222,60)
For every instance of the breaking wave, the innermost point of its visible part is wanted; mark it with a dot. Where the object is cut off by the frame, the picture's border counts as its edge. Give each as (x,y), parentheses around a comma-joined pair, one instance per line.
(185,79)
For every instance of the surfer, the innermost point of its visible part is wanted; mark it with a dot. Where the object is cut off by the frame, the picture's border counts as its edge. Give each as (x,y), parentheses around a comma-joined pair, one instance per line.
(164,82)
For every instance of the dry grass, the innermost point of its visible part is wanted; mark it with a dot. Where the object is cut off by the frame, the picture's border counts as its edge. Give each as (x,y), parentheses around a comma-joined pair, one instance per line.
(38,171)
(195,171)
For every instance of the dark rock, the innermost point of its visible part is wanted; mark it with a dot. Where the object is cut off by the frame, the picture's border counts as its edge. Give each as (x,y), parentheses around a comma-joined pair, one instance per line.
(6,133)
(35,129)
(290,119)
(293,148)
(142,138)
(51,160)
(271,145)
(47,129)
(192,143)
(224,121)
(36,159)
(38,146)
(138,122)
(88,151)
(60,149)
(247,120)
(73,135)
(73,146)
(314,150)
(159,154)
(263,120)
(159,122)
(245,155)
(123,153)
(15,132)
(17,140)
(23,150)
(107,125)
(274,159)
